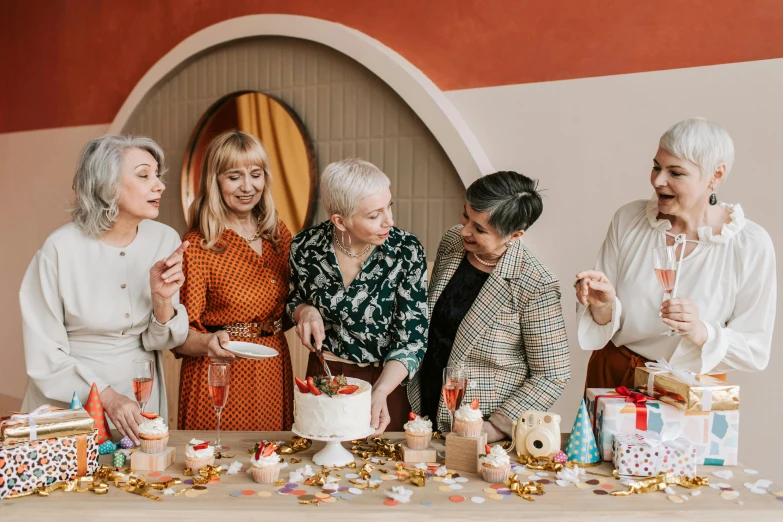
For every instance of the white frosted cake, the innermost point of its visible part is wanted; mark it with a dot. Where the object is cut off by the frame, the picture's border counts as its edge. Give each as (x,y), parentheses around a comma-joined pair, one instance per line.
(332,412)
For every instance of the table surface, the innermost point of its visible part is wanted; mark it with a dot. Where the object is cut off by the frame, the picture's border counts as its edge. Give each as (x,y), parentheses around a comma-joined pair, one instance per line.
(561,503)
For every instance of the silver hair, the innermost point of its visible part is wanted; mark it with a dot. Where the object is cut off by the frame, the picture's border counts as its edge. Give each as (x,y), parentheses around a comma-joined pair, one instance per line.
(97,180)
(344,183)
(701,142)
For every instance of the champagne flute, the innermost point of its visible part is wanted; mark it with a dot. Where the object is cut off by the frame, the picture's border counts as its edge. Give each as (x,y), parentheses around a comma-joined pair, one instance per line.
(665,264)
(143,378)
(455,380)
(219,379)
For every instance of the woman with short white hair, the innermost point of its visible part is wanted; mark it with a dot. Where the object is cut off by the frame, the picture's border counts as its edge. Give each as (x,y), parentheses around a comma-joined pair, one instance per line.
(723,312)
(103,290)
(358,289)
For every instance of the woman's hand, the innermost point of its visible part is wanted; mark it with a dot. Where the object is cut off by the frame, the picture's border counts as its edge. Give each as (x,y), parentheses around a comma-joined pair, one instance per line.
(379,412)
(123,412)
(493,434)
(682,314)
(216,344)
(594,289)
(310,327)
(166,275)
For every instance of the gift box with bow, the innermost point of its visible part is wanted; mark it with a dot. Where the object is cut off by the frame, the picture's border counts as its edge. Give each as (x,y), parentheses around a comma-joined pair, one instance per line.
(645,454)
(684,389)
(45,422)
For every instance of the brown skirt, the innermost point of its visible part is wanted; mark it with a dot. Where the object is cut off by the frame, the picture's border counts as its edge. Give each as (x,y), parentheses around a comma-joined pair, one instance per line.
(612,366)
(397,401)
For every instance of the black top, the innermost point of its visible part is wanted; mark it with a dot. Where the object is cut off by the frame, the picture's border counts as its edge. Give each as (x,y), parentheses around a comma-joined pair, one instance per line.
(447,315)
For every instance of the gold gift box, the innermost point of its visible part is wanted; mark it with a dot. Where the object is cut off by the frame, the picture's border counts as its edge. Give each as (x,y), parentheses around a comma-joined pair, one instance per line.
(52,424)
(671,389)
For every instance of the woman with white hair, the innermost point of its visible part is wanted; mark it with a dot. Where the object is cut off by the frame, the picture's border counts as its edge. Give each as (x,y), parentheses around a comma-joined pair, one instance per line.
(358,289)
(102,292)
(724,308)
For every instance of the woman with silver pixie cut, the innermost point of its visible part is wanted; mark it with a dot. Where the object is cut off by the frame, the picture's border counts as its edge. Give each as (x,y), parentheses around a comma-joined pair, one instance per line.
(724,307)
(102,292)
(358,289)
(495,311)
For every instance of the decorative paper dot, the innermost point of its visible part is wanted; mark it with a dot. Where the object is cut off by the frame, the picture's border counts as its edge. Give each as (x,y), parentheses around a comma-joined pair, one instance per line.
(330,499)
(248,492)
(449,481)
(346,496)
(308,497)
(542,474)
(751,472)
(759,491)
(457,498)
(426,502)
(675,499)
(199,488)
(322,495)
(444,488)
(607,486)
(490,491)
(291,485)
(188,481)
(544,481)
(264,494)
(154,474)
(495,496)
(497,486)
(438,479)
(562,483)
(461,479)
(351,476)
(392,477)
(455,486)
(285,491)
(593,482)
(355,491)
(390,502)
(582,485)
(192,493)
(504,492)
(600,492)
(478,500)
(233,493)
(730,495)
(696,493)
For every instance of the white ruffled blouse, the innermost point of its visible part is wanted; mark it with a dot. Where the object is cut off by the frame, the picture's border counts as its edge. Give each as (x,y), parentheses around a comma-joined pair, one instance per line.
(729,276)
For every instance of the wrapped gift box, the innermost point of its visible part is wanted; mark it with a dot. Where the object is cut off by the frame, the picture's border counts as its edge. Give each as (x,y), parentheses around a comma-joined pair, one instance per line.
(27,465)
(643,454)
(46,422)
(687,391)
(714,434)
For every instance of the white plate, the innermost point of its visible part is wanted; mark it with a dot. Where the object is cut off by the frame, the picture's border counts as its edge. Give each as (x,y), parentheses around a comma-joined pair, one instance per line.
(250,350)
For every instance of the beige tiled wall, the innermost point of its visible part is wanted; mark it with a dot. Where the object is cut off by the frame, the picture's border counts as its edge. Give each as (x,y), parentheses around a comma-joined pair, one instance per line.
(347,110)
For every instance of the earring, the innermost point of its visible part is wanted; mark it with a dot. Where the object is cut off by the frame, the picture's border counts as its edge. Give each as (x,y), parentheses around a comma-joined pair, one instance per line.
(508,245)
(713,199)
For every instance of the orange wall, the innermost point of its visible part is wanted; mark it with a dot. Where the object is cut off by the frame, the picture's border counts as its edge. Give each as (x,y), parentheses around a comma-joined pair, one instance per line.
(72,63)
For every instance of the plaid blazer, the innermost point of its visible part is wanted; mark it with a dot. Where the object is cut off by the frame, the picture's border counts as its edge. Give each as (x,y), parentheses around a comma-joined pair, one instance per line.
(512,341)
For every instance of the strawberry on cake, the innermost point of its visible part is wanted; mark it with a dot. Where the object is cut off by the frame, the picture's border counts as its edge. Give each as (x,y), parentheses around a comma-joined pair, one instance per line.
(265,463)
(336,407)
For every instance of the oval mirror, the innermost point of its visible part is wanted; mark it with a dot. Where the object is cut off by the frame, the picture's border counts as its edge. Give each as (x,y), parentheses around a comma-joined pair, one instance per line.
(285,139)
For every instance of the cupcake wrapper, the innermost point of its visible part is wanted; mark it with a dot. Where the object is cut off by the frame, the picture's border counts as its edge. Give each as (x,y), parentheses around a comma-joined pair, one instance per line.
(197,464)
(153,446)
(468,428)
(418,440)
(495,475)
(265,475)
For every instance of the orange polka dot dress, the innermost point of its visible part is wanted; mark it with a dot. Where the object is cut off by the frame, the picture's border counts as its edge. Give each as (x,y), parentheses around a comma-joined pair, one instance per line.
(237,286)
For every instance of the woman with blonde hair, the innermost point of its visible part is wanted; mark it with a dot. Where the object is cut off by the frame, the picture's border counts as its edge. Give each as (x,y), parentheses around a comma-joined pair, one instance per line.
(237,281)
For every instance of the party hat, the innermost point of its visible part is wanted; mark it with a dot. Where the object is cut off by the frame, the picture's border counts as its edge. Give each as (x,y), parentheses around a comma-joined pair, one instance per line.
(95,409)
(581,447)
(76,404)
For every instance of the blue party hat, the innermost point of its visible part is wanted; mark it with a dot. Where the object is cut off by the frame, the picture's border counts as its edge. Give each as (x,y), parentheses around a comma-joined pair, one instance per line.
(581,447)
(76,404)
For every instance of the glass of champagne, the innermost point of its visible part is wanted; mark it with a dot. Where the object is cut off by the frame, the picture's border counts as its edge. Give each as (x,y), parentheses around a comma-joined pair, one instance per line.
(455,380)
(143,375)
(665,264)
(219,379)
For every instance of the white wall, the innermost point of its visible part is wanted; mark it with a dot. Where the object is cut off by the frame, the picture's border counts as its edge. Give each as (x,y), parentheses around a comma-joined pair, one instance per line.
(591,143)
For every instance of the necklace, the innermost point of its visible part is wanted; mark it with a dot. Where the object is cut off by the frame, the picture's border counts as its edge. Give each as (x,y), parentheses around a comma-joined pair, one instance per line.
(255,236)
(477,258)
(348,252)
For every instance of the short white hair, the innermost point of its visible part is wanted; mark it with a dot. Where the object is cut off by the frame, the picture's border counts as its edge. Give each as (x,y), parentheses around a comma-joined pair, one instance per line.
(699,141)
(344,183)
(97,180)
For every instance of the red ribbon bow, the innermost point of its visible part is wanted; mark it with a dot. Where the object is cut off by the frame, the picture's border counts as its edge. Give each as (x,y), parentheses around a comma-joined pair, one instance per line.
(639,400)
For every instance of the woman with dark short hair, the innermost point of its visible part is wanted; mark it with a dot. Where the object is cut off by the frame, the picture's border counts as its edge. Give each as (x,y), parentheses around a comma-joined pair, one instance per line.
(494,310)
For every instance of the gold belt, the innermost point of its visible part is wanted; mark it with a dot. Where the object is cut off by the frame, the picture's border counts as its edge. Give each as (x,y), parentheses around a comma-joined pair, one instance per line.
(250,329)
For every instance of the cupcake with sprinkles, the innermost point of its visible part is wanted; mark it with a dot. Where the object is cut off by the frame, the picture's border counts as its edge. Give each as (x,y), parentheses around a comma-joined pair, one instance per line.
(265,463)
(418,431)
(495,464)
(468,420)
(198,454)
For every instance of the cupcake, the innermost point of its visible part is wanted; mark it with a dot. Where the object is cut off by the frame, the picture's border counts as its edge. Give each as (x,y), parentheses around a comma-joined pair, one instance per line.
(153,434)
(199,454)
(265,463)
(468,420)
(495,465)
(418,431)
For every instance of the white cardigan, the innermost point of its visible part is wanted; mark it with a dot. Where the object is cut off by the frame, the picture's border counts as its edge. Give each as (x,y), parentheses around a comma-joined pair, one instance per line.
(729,276)
(87,315)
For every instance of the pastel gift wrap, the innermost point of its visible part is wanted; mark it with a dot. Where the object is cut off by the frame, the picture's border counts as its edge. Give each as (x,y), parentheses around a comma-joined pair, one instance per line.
(714,434)
(644,454)
(45,422)
(684,389)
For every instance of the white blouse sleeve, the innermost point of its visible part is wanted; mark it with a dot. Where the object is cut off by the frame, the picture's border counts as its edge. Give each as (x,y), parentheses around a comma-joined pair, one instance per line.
(745,340)
(591,335)
(46,348)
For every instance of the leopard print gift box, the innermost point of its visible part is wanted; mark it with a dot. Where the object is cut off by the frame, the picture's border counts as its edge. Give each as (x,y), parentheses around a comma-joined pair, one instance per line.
(24,467)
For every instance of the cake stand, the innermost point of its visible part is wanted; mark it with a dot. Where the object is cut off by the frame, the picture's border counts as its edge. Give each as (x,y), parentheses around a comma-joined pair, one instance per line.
(333,453)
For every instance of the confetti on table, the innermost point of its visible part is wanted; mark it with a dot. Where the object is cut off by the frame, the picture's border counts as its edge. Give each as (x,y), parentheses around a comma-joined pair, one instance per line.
(291,485)
(600,492)
(542,474)
(346,496)
(495,496)
(264,494)
(724,474)
(248,492)
(388,477)
(607,486)
(730,495)
(504,492)
(284,491)
(449,481)
(154,474)
(582,485)
(191,493)
(438,479)
(696,493)
(390,502)
(457,498)
(490,491)
(308,498)
(562,483)
(720,485)
(751,472)
(758,491)
(426,502)
(444,488)
(455,486)
(322,495)
(233,493)
(685,497)
(351,476)
(497,486)
(544,481)
(355,491)
(330,499)
(461,479)
(676,499)
(593,482)
(669,490)
(188,481)
(478,500)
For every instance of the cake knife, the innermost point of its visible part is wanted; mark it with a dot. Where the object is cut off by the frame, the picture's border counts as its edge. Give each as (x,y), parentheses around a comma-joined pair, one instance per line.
(320,354)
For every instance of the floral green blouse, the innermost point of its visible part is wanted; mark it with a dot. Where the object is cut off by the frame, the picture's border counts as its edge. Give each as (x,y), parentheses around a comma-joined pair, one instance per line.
(382,315)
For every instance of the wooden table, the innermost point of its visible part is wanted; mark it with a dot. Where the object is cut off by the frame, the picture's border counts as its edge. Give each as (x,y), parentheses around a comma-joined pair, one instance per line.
(564,504)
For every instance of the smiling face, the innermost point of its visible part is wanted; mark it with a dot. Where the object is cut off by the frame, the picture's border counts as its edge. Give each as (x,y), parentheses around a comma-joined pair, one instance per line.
(241,188)
(372,221)
(140,186)
(481,238)
(680,185)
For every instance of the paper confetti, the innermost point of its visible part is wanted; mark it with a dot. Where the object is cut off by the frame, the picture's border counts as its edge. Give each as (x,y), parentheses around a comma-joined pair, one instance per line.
(724,474)
(478,500)
(751,472)
(457,498)
(234,468)
(400,494)
(676,499)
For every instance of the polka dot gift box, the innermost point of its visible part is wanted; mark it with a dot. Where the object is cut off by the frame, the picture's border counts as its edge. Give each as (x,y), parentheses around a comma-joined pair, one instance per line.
(643,454)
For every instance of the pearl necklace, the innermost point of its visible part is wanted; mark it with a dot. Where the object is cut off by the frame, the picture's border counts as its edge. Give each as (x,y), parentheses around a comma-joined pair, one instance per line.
(348,252)
(477,258)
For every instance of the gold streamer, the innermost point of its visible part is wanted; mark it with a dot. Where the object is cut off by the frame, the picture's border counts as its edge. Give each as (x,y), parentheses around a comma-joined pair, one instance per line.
(541,463)
(524,489)
(659,483)
(296,445)
(294,460)
(416,476)
(220,455)
(377,447)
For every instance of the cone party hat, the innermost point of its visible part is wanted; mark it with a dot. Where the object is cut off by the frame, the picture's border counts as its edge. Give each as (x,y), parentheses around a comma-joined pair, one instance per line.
(76,404)
(581,447)
(95,409)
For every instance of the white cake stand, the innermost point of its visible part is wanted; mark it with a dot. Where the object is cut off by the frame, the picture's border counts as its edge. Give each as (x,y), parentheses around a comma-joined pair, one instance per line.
(333,453)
